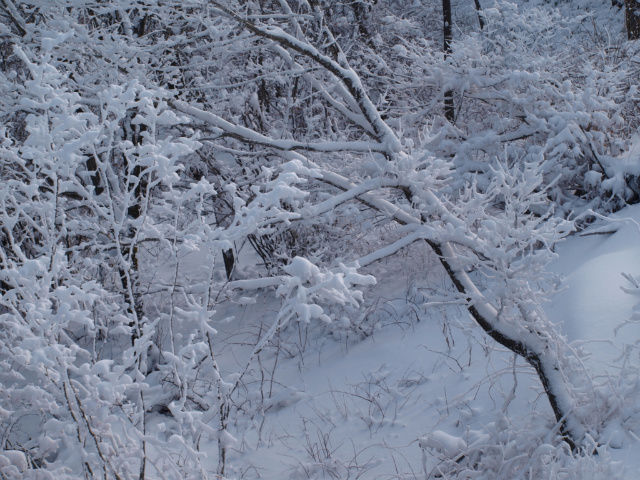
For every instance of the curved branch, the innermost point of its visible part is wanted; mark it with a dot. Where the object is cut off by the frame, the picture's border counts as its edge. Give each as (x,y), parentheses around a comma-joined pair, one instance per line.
(535,346)
(342,71)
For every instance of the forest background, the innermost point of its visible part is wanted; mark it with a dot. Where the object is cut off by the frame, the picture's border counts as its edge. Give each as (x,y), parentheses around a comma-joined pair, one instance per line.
(319,239)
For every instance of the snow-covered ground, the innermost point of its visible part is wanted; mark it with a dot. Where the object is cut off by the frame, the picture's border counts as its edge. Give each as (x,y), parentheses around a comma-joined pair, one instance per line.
(170,371)
(422,384)
(363,409)
(592,307)
(596,306)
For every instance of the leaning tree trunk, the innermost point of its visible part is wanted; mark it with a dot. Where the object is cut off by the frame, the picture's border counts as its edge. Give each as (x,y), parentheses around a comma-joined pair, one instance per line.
(538,347)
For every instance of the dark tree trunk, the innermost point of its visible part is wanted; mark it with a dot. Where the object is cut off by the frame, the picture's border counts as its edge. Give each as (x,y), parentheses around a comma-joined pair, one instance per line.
(449,111)
(542,359)
(92,166)
(632,19)
(480,14)
(229,262)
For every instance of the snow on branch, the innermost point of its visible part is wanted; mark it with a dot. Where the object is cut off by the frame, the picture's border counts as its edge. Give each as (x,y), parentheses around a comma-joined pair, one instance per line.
(342,71)
(249,136)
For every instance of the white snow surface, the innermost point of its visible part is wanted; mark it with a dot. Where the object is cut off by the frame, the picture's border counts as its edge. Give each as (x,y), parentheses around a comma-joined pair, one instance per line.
(593,304)
(424,383)
(594,311)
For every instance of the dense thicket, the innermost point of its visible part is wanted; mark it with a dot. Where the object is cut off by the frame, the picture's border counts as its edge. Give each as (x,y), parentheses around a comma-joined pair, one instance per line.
(137,136)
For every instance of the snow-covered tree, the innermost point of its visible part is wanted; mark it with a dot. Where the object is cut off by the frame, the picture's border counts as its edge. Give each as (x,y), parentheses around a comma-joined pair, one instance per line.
(138,136)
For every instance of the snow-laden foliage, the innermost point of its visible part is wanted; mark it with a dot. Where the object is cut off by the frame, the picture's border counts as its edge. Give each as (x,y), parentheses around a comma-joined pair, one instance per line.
(527,87)
(68,278)
(144,144)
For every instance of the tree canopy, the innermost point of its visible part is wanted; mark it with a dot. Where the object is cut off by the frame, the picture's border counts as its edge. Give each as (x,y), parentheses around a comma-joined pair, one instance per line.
(164,164)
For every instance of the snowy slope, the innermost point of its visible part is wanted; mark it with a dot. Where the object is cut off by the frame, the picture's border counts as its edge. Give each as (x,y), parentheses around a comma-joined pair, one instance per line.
(595,310)
(593,304)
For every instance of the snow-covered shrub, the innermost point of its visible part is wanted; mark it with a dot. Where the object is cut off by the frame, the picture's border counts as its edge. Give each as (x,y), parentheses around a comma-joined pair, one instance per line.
(528,87)
(76,340)
(328,153)
(502,453)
